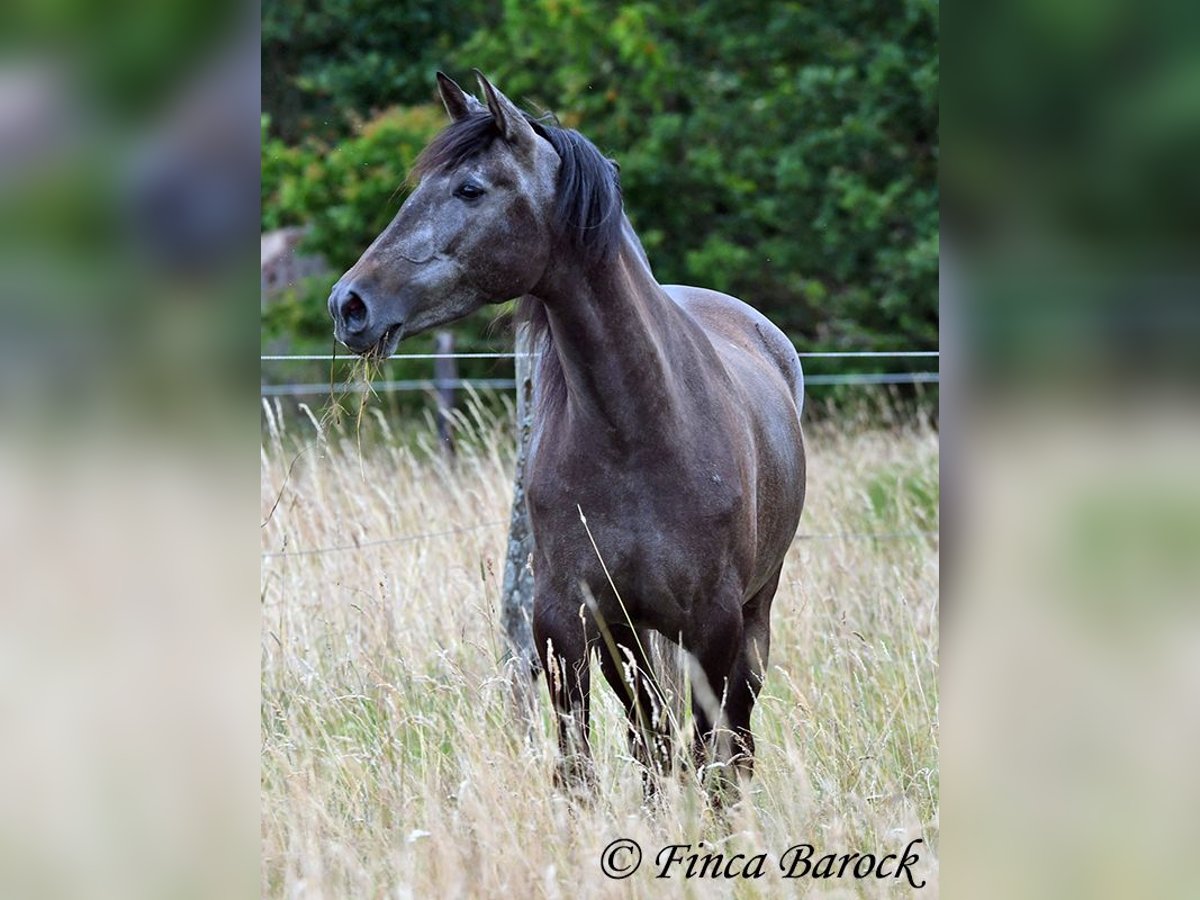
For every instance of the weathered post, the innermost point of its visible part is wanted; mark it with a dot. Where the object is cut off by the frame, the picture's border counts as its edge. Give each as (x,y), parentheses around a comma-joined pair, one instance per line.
(516,608)
(445,379)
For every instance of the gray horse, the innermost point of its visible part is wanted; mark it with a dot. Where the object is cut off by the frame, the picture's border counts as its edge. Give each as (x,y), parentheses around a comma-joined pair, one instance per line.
(668,416)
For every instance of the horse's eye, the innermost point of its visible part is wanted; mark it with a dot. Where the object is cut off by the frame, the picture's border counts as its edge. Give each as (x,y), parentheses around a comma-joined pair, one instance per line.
(468,190)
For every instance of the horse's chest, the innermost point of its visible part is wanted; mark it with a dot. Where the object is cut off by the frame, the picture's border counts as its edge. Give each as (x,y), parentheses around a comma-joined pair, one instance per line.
(655,529)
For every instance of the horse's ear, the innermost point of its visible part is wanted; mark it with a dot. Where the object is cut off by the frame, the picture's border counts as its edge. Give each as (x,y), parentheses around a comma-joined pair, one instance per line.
(459,104)
(513,125)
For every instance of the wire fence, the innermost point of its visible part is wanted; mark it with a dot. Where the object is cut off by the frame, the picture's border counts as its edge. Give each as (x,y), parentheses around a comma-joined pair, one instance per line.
(830,354)
(401,539)
(347,387)
(427,384)
(466,529)
(853,378)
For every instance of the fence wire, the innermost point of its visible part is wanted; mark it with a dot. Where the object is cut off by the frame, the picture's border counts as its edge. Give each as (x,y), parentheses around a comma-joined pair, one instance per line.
(347,387)
(402,539)
(465,529)
(829,354)
(427,384)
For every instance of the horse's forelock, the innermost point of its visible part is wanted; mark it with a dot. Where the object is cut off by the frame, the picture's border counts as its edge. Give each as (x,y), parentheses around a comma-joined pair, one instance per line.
(455,144)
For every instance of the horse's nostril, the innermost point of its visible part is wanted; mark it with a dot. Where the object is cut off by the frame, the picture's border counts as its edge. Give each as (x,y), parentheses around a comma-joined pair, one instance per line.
(354,311)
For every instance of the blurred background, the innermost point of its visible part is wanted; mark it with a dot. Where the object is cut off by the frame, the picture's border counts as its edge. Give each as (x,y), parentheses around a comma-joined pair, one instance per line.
(129,142)
(1070,288)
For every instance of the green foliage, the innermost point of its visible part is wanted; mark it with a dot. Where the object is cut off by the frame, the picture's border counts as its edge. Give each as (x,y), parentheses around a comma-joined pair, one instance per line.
(327,61)
(298,315)
(784,153)
(348,190)
(127,57)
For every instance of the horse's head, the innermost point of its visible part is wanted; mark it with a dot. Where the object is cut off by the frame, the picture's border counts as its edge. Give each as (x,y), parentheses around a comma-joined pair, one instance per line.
(476,229)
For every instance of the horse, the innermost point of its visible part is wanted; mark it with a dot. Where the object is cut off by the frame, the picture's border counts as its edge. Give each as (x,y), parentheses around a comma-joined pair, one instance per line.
(666,471)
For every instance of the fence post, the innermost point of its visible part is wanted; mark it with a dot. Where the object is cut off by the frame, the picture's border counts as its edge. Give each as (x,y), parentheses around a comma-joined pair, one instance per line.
(516,609)
(445,377)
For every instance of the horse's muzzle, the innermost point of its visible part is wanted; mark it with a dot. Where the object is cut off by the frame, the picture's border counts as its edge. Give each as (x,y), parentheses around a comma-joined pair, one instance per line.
(357,321)
(350,312)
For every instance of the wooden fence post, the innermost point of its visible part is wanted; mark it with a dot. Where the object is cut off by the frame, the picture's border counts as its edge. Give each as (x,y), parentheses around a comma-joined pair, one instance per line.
(516,609)
(445,378)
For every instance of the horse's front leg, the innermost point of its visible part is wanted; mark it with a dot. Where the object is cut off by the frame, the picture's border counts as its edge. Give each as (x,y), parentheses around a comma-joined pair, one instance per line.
(626,665)
(714,641)
(563,643)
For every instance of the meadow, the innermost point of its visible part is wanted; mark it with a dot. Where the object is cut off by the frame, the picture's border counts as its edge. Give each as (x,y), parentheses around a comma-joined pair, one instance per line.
(394,761)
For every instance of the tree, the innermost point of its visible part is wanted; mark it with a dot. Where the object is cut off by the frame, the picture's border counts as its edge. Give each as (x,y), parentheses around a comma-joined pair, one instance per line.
(326,63)
(784,153)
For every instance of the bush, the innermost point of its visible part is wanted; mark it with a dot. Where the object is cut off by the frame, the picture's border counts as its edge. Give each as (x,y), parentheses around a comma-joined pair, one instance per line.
(328,62)
(785,153)
(345,191)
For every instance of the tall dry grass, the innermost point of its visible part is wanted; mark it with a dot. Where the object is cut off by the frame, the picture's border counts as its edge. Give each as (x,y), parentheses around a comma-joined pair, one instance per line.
(392,764)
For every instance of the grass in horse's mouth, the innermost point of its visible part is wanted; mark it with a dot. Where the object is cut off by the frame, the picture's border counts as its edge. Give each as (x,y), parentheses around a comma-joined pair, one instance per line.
(379,352)
(365,369)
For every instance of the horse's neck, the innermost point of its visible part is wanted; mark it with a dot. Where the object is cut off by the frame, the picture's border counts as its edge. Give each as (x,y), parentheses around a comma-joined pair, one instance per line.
(613,328)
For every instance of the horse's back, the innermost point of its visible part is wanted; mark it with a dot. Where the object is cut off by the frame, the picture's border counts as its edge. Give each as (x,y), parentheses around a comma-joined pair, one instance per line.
(729,321)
